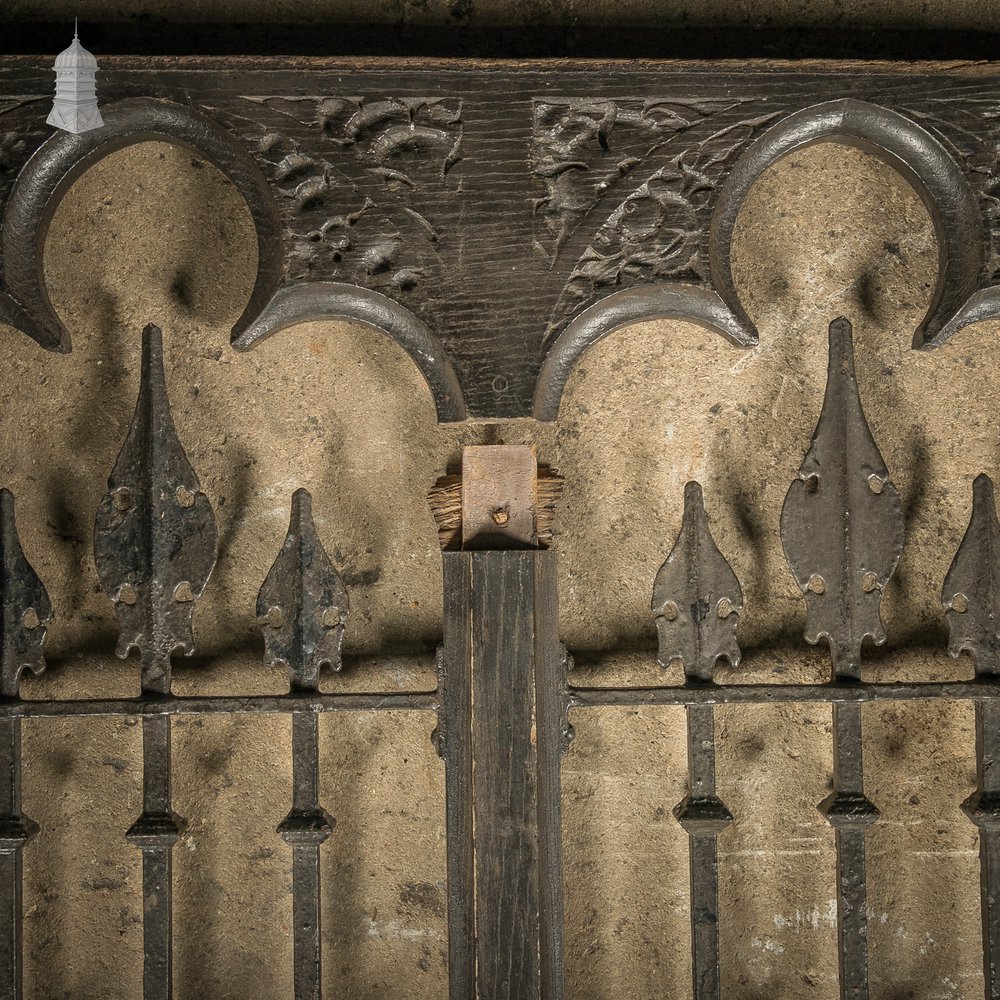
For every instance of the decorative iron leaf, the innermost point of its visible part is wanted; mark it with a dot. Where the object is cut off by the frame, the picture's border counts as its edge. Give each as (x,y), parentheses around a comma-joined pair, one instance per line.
(24,603)
(155,537)
(696,597)
(971,593)
(842,524)
(302,606)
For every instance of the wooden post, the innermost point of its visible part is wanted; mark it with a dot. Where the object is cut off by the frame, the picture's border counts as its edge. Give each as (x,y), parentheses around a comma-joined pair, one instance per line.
(501,736)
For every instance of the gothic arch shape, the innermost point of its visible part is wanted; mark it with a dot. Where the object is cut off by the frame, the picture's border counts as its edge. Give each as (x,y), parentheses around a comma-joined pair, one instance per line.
(317,300)
(62,158)
(914,154)
(692,303)
(896,140)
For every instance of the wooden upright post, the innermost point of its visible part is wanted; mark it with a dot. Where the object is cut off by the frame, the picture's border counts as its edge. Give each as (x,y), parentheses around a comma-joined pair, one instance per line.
(501,735)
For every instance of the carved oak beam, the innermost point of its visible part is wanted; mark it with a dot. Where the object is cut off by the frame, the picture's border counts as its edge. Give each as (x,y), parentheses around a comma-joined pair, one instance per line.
(498,232)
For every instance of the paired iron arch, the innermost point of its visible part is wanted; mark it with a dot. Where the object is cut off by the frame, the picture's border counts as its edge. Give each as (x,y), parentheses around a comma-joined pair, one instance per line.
(958,299)
(893,138)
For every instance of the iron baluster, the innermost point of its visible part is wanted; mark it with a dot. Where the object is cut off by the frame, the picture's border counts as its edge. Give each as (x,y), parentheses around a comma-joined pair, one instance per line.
(25,612)
(696,602)
(155,542)
(302,609)
(971,597)
(842,531)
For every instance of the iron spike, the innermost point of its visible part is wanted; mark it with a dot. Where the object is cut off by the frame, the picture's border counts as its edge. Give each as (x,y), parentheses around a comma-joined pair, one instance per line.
(303,606)
(696,597)
(25,605)
(155,537)
(842,524)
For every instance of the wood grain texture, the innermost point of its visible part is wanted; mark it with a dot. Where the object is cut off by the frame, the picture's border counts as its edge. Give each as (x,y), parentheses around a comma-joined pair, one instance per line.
(500,211)
(502,688)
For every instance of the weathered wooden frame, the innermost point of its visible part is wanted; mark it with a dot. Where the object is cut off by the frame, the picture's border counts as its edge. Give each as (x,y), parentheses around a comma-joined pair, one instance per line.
(497,220)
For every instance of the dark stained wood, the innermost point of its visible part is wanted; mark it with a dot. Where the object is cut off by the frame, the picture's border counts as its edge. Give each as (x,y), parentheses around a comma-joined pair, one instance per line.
(501,679)
(497,219)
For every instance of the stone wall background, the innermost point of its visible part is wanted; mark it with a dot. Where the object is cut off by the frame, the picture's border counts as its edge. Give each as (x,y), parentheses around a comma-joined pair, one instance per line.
(154,234)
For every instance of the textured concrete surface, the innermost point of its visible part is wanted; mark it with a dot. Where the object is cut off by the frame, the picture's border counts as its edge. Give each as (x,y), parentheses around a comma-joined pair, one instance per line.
(151,234)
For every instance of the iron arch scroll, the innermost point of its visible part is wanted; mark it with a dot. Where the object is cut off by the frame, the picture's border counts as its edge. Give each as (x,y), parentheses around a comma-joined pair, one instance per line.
(911,150)
(318,300)
(61,159)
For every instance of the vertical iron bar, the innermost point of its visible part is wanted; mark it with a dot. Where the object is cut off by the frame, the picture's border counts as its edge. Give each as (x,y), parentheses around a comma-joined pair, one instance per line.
(704,816)
(302,609)
(154,833)
(842,531)
(984,810)
(305,828)
(15,831)
(970,599)
(850,812)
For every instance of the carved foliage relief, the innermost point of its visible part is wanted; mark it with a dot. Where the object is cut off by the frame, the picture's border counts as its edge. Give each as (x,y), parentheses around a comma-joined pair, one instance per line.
(640,172)
(361,184)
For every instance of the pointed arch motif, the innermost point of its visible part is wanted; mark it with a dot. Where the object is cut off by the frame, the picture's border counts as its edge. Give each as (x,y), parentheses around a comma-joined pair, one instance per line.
(901,143)
(61,159)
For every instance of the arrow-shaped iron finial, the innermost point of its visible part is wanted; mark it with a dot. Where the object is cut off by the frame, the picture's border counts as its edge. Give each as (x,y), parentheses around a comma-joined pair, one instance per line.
(842,524)
(696,597)
(155,538)
(303,606)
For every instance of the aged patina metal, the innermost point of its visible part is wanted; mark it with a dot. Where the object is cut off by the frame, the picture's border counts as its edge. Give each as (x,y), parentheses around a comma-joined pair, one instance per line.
(971,598)
(155,542)
(842,530)
(611,200)
(696,602)
(302,609)
(25,612)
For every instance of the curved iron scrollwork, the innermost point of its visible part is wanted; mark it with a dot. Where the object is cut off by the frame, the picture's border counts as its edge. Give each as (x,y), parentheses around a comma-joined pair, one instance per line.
(706,293)
(494,270)
(61,159)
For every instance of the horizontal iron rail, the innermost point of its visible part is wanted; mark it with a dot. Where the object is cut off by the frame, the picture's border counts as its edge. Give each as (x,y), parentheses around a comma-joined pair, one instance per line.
(574,697)
(295,702)
(764,694)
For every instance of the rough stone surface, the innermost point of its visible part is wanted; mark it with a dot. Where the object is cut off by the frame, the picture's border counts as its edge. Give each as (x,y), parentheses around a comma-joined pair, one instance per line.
(151,234)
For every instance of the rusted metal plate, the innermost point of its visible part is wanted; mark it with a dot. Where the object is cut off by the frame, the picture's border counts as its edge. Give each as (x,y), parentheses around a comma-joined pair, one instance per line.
(499,496)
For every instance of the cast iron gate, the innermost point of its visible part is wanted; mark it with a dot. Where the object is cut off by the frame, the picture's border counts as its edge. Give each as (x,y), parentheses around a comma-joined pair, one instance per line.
(363,206)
